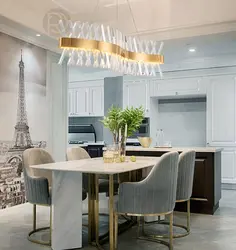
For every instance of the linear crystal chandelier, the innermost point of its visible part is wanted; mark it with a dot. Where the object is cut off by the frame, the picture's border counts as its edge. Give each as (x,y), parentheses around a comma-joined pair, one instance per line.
(99,46)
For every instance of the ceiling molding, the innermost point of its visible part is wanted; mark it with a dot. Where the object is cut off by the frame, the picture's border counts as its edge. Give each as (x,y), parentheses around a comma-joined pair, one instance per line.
(29,39)
(188,31)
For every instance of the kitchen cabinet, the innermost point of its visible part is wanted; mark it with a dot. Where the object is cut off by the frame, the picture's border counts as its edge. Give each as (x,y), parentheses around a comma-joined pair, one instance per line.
(86,99)
(228,162)
(178,87)
(96,97)
(136,94)
(221,111)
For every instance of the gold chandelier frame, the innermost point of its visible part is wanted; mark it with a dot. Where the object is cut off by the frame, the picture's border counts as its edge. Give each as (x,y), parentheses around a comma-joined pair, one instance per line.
(106,47)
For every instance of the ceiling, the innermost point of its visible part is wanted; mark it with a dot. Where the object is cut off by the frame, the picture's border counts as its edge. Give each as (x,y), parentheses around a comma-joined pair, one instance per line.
(152,19)
(209,26)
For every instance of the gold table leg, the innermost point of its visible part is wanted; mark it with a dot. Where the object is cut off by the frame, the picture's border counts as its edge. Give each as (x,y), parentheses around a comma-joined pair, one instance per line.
(111,212)
(96,210)
(91,229)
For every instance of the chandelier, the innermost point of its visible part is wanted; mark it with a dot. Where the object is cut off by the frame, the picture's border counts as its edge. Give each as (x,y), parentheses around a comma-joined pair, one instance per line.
(99,46)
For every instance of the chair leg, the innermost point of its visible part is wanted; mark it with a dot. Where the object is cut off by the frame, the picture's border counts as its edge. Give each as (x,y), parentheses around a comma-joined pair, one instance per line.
(138,226)
(50,232)
(115,230)
(34,217)
(171,231)
(188,216)
(143,223)
(35,229)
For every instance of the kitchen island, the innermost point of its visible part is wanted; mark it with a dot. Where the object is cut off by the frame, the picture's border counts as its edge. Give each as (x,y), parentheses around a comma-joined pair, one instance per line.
(207,177)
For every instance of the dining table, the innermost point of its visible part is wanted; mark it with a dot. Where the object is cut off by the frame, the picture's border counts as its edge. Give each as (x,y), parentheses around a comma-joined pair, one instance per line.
(67,197)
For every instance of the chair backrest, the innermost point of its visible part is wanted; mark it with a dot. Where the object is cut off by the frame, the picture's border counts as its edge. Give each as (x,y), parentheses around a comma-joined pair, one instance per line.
(185,175)
(36,156)
(162,181)
(77,153)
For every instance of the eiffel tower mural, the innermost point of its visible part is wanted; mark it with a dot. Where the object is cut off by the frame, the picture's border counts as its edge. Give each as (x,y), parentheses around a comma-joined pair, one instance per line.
(22,139)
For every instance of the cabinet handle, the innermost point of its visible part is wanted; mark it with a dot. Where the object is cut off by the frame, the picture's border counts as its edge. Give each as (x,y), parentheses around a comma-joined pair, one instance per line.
(176,93)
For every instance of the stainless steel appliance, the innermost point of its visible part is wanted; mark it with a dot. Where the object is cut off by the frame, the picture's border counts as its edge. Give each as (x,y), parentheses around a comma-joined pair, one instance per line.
(81,134)
(143,131)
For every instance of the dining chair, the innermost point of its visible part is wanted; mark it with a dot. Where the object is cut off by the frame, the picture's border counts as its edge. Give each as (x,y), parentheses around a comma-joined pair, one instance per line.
(185,185)
(78,153)
(184,189)
(38,187)
(153,196)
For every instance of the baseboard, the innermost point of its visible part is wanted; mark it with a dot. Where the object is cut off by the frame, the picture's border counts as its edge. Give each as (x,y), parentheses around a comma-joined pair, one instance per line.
(228,186)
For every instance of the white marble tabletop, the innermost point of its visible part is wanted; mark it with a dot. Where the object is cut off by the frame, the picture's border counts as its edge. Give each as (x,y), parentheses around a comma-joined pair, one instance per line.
(97,166)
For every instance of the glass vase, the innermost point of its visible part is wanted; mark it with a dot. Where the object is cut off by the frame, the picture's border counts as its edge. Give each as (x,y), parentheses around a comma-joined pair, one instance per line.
(123,149)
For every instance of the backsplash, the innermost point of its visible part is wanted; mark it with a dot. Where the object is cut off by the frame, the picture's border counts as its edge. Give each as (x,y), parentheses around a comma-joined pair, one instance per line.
(95,121)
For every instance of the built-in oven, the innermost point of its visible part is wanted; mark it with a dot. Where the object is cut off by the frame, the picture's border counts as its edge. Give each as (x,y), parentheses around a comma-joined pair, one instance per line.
(143,131)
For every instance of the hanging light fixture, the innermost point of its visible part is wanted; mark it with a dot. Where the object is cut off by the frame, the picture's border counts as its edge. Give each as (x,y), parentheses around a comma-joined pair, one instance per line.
(96,45)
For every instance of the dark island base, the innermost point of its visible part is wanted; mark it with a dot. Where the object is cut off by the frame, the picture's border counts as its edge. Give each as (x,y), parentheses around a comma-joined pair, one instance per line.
(207,181)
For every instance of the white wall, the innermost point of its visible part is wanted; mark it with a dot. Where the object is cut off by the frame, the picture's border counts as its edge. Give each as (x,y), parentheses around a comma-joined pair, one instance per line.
(183,121)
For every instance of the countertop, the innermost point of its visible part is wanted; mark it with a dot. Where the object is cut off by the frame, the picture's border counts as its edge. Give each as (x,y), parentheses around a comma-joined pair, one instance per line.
(179,149)
(98,143)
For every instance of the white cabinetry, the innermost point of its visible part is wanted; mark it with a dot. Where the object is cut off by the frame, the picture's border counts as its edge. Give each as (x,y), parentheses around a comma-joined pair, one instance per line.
(221,122)
(136,94)
(96,97)
(178,87)
(86,99)
(228,162)
(221,111)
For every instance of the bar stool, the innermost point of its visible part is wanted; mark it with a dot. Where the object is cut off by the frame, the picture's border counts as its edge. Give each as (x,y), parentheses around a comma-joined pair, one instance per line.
(153,196)
(37,187)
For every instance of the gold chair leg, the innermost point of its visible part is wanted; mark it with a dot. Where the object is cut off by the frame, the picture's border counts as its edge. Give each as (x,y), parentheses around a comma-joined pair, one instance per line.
(188,216)
(35,229)
(50,233)
(138,226)
(171,231)
(185,227)
(115,230)
(34,217)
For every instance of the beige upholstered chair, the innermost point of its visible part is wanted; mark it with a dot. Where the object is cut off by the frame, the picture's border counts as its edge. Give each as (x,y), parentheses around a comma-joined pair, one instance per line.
(37,185)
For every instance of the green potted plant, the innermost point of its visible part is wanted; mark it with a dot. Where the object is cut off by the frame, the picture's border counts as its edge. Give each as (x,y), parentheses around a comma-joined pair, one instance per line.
(123,123)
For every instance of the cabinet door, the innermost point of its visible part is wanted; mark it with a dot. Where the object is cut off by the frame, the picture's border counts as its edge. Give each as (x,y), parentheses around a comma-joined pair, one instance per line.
(136,94)
(178,87)
(82,101)
(96,98)
(71,102)
(228,165)
(221,97)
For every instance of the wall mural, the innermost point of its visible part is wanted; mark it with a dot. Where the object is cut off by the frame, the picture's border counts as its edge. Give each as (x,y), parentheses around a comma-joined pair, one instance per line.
(23,111)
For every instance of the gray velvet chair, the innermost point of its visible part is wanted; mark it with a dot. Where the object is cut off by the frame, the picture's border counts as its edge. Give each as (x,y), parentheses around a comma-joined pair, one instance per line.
(184,188)
(38,186)
(185,184)
(153,196)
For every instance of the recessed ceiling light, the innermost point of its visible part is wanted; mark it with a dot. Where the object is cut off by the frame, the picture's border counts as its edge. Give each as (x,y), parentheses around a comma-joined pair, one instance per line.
(38,35)
(192,50)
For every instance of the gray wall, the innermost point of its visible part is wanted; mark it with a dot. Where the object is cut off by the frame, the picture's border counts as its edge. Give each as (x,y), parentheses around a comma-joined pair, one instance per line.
(183,121)
(89,120)
(113,95)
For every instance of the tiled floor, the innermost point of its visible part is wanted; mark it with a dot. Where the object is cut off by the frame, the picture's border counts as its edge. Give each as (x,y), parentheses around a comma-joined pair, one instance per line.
(208,232)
